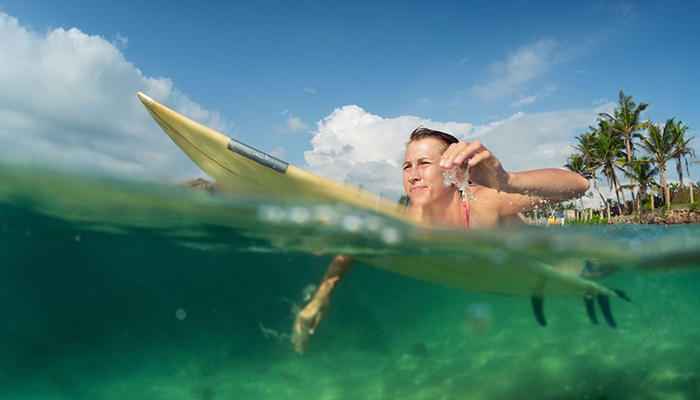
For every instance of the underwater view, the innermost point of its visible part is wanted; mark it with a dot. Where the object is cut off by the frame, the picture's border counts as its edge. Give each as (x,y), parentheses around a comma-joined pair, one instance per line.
(123,290)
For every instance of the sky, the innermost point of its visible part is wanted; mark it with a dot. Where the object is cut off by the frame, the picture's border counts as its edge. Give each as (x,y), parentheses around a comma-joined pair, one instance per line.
(335,87)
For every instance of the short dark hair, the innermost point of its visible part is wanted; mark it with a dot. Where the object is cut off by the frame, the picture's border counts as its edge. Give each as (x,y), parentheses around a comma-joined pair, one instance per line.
(421,133)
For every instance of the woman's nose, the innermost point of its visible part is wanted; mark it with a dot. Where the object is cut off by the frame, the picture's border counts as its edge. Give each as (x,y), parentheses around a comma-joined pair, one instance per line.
(413,175)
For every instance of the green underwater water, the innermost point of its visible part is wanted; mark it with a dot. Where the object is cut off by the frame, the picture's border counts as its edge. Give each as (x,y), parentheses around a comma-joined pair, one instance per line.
(187,309)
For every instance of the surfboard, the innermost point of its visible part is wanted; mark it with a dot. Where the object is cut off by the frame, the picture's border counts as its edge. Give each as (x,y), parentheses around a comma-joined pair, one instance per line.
(245,169)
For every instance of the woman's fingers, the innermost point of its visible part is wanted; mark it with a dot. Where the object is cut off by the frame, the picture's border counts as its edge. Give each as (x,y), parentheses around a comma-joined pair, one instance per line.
(479,157)
(457,153)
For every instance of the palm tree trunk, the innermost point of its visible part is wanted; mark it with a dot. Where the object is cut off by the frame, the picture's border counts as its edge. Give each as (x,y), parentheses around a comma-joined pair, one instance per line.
(595,183)
(617,194)
(666,192)
(624,202)
(690,185)
(630,156)
(679,168)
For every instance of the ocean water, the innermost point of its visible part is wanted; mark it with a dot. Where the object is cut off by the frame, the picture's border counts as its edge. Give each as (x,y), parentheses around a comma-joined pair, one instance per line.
(122,290)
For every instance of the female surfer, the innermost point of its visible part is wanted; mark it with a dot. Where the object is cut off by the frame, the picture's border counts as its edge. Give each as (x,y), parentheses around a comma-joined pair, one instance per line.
(494,198)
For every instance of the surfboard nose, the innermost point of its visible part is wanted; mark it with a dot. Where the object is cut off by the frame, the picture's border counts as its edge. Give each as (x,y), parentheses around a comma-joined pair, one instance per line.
(147,101)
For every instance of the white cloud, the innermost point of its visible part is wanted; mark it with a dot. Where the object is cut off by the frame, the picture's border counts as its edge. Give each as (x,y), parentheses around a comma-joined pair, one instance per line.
(462,61)
(120,42)
(527,63)
(295,124)
(355,146)
(523,100)
(309,90)
(69,98)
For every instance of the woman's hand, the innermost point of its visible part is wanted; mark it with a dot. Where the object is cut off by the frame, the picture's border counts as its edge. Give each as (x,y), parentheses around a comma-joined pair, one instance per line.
(484,168)
(307,321)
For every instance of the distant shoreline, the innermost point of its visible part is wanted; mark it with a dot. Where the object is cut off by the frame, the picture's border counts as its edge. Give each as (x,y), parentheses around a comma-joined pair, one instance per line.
(679,214)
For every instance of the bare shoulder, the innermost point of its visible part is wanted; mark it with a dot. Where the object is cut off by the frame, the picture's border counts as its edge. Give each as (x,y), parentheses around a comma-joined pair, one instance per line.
(492,208)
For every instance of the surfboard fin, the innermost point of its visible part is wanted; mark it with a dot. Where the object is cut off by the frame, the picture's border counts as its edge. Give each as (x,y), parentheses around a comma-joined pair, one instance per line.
(604,303)
(590,308)
(538,308)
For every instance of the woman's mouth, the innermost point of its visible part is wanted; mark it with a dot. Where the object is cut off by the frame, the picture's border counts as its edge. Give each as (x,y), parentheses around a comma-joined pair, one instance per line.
(415,189)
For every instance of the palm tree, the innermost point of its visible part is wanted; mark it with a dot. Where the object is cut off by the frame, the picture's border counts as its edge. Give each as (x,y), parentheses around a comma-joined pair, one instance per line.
(607,153)
(577,164)
(680,145)
(658,142)
(587,146)
(626,121)
(643,173)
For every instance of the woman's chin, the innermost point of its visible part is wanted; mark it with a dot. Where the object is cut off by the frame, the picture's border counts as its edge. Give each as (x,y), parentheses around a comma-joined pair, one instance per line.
(417,201)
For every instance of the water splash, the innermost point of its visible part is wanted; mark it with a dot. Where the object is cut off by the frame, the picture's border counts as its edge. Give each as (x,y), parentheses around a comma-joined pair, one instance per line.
(308,292)
(458,176)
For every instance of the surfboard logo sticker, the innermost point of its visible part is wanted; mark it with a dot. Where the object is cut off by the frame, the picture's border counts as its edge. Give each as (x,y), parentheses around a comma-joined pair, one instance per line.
(257,156)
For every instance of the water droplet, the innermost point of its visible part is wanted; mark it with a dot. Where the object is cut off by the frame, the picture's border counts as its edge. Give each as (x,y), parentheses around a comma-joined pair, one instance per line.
(325,215)
(391,235)
(373,224)
(180,314)
(271,214)
(299,215)
(352,223)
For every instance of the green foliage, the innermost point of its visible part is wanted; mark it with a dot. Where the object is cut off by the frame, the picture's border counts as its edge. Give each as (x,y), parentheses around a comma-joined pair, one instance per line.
(611,145)
(695,206)
(596,220)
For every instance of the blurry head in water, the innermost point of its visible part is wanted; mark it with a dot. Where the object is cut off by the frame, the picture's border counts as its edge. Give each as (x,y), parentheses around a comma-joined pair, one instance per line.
(422,175)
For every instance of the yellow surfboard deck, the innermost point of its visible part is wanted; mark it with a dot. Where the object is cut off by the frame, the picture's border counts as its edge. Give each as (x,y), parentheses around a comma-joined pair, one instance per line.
(246,170)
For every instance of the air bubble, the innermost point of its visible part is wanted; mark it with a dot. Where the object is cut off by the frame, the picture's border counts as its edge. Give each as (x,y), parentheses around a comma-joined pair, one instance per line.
(299,215)
(373,224)
(391,235)
(271,214)
(352,223)
(325,215)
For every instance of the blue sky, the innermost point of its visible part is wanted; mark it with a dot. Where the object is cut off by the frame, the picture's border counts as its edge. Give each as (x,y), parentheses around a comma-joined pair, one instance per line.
(334,87)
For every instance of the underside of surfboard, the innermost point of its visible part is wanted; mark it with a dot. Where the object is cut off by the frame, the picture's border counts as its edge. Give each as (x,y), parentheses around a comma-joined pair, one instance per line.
(248,170)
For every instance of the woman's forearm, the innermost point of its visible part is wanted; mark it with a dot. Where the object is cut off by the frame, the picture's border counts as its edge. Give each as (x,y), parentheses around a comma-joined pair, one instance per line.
(550,183)
(339,267)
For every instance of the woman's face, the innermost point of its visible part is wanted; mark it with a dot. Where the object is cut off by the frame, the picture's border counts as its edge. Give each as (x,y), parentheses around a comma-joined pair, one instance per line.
(422,176)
